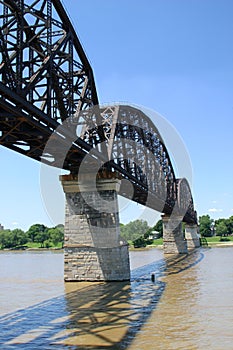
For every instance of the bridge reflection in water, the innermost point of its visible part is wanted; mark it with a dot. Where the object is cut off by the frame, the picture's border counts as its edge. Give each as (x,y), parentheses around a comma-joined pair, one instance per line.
(95,316)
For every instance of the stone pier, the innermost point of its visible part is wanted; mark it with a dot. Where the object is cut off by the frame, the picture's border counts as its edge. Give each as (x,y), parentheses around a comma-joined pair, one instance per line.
(173,237)
(93,248)
(191,235)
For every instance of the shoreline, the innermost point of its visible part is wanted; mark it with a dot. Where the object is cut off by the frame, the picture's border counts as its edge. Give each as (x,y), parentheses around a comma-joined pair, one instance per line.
(158,246)
(220,244)
(32,250)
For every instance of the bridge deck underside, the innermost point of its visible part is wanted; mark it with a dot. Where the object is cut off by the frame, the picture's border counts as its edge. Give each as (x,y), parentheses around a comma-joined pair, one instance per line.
(47,94)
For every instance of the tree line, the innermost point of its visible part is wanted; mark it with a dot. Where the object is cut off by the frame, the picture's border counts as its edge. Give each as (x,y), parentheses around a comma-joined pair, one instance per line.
(37,233)
(220,227)
(137,232)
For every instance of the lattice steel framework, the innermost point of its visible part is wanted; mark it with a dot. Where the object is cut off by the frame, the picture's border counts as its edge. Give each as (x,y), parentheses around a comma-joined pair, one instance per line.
(46,81)
(136,150)
(45,76)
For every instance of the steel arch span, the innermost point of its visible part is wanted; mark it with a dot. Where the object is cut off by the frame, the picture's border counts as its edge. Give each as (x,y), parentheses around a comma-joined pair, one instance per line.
(47,91)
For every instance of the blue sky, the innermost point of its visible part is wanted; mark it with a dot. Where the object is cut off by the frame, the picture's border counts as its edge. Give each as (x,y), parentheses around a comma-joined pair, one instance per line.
(171,56)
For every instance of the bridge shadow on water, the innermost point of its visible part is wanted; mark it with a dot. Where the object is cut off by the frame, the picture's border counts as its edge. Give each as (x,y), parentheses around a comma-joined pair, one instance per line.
(94,316)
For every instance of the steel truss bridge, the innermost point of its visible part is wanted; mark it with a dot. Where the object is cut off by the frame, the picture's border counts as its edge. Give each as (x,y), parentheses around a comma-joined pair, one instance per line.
(48,103)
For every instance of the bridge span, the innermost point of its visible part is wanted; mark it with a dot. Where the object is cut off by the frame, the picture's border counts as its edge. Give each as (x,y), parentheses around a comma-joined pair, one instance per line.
(49,111)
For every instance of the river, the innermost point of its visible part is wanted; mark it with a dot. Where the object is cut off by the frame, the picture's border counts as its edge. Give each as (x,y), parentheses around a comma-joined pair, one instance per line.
(188,306)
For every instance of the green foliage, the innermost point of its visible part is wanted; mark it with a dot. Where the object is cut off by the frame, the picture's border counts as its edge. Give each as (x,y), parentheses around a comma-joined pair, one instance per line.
(224,227)
(134,229)
(229,224)
(159,227)
(47,244)
(5,239)
(46,237)
(41,237)
(138,232)
(20,237)
(56,235)
(34,230)
(149,241)
(12,239)
(139,242)
(224,239)
(216,239)
(205,223)
(221,228)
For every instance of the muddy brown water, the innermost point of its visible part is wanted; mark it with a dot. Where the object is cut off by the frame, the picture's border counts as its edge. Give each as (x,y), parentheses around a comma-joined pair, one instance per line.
(188,306)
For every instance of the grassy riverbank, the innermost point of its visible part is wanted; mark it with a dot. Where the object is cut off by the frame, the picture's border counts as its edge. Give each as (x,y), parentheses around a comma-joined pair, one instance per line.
(157,243)
(212,241)
(35,246)
(216,241)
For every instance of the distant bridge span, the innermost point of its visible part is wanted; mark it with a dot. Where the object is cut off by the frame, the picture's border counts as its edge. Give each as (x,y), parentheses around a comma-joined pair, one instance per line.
(49,103)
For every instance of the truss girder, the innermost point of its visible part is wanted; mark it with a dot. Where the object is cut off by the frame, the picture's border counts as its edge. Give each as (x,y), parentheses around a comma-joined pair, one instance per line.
(137,151)
(42,59)
(47,92)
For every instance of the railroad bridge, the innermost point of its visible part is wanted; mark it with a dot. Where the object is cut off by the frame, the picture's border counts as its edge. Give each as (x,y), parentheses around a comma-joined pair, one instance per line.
(49,111)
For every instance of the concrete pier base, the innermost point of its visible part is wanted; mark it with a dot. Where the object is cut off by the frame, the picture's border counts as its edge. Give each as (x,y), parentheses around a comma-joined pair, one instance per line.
(192,238)
(173,238)
(93,249)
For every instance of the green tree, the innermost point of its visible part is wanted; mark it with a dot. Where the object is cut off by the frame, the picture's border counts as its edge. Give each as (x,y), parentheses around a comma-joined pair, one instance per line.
(139,242)
(159,227)
(134,229)
(34,230)
(229,224)
(61,227)
(41,237)
(221,228)
(5,239)
(56,235)
(12,239)
(205,223)
(19,237)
